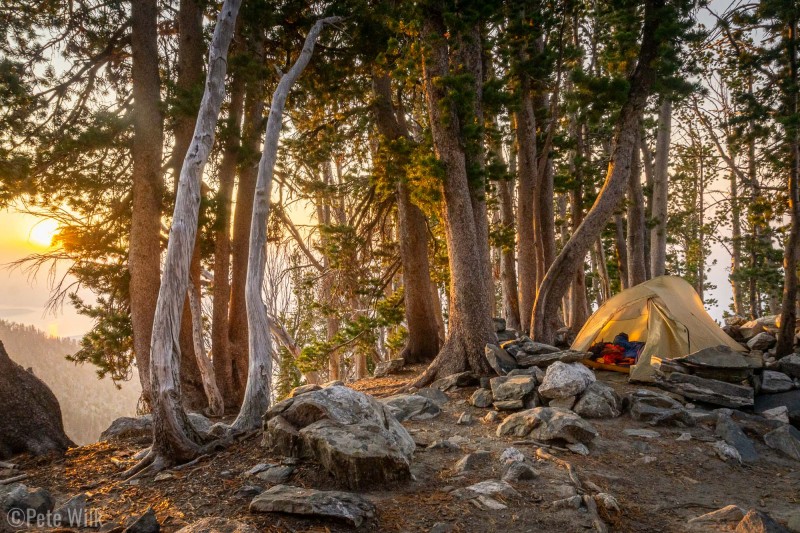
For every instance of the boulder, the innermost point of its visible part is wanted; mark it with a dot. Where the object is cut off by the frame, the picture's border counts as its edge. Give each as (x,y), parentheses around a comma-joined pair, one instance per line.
(437,396)
(411,407)
(392,366)
(729,513)
(346,506)
(303,389)
(276,474)
(733,332)
(494,488)
(511,455)
(146,523)
(499,324)
(716,357)
(30,416)
(512,387)
(565,379)
(18,496)
(709,390)
(218,525)
(750,329)
(563,403)
(598,401)
(780,413)
(72,512)
(462,379)
(353,436)
(519,471)
(790,365)
(658,409)
(499,359)
(141,427)
(773,381)
(481,398)
(730,432)
(763,341)
(548,423)
(785,439)
(789,399)
(509,405)
(734,320)
(546,359)
(757,522)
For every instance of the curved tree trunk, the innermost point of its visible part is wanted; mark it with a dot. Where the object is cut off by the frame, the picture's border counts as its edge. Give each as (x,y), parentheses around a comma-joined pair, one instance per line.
(561,273)
(658,231)
(174,438)
(470,305)
(145,235)
(259,374)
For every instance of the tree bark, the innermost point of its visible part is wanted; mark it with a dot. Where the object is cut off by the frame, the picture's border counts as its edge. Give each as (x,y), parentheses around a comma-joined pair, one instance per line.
(621,248)
(579,308)
(736,247)
(216,405)
(526,187)
(508,272)
(470,305)
(259,375)
(144,247)
(637,273)
(561,273)
(174,438)
(658,231)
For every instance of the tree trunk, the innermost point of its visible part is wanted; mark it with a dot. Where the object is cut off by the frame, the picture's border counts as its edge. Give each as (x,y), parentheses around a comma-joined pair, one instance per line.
(786,333)
(174,438)
(423,339)
(144,247)
(508,272)
(736,247)
(658,231)
(259,375)
(221,292)
(579,308)
(561,273)
(621,247)
(526,187)
(470,325)
(604,282)
(216,406)
(637,273)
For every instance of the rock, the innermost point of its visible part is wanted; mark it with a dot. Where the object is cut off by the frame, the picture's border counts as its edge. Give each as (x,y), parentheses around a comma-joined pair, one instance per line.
(643,433)
(304,389)
(789,399)
(578,448)
(346,506)
(734,320)
(142,427)
(730,432)
(729,513)
(772,381)
(465,419)
(30,415)
(548,423)
(334,383)
(512,387)
(763,341)
(353,436)
(658,409)
(727,452)
(780,413)
(710,390)
(463,379)
(218,525)
(511,455)
(645,460)
(562,380)
(493,488)
(573,502)
(491,417)
(392,366)
(147,523)
(519,471)
(507,335)
(525,359)
(608,503)
(499,324)
(481,398)
(790,365)
(276,474)
(733,332)
(793,522)
(442,527)
(499,359)
(444,444)
(18,496)
(563,403)
(73,512)
(564,337)
(471,461)
(164,476)
(684,437)
(435,395)
(757,522)
(411,407)
(598,401)
(260,467)
(750,329)
(715,357)
(509,405)
(248,491)
(786,440)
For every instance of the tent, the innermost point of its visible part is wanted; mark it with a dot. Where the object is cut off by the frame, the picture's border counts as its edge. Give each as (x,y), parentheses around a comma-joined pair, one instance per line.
(665,313)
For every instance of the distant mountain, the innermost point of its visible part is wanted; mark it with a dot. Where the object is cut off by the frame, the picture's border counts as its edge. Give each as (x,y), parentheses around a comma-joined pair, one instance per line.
(88,404)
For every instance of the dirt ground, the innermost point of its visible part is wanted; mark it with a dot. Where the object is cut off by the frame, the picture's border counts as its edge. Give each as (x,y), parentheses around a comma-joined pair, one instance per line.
(660,483)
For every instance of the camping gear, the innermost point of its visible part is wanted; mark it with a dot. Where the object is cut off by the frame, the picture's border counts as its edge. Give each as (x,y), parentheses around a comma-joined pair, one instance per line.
(665,313)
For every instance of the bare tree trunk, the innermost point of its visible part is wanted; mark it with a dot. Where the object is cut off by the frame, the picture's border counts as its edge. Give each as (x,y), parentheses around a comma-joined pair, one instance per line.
(579,309)
(216,406)
(221,292)
(174,438)
(658,231)
(561,273)
(470,325)
(604,287)
(621,247)
(792,248)
(526,187)
(637,273)
(259,375)
(144,247)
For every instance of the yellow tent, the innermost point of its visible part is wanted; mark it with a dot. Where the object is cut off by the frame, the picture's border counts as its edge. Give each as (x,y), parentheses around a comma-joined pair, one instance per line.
(665,313)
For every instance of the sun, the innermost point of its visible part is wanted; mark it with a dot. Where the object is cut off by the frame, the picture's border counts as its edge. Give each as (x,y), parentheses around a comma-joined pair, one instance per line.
(42,233)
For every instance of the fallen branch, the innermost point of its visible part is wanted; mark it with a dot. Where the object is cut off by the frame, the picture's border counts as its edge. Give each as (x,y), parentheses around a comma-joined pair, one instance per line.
(573,474)
(9,466)
(13,479)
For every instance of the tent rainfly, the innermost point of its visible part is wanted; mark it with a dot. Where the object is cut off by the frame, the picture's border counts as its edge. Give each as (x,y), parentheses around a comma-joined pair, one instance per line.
(665,313)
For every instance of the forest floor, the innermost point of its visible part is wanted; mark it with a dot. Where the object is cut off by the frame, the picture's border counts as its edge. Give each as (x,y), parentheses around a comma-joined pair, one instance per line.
(660,483)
